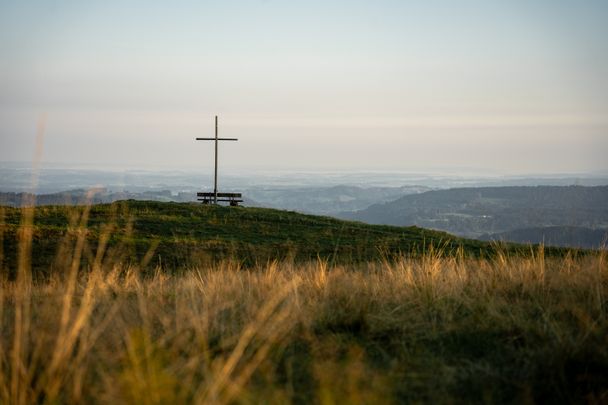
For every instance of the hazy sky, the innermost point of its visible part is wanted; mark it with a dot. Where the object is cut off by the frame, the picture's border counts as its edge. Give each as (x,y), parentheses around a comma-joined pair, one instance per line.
(498,86)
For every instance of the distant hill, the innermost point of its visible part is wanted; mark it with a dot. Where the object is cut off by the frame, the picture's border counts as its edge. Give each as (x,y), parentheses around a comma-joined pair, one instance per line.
(189,235)
(473,212)
(565,236)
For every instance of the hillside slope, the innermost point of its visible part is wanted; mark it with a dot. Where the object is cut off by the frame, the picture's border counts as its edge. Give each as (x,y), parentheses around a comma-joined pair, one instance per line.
(472,212)
(565,236)
(187,235)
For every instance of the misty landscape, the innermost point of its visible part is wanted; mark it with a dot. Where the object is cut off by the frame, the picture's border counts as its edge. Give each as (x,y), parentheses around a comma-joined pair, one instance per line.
(303,202)
(555,211)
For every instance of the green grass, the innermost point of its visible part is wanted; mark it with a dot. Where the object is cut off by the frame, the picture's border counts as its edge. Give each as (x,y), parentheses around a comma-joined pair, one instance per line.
(466,323)
(178,235)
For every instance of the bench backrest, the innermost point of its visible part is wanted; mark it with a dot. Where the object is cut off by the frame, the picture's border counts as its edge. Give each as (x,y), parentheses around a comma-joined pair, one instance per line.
(224,195)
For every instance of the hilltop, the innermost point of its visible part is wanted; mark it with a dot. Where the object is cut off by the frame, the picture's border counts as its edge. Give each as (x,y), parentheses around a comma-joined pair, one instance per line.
(325,200)
(183,235)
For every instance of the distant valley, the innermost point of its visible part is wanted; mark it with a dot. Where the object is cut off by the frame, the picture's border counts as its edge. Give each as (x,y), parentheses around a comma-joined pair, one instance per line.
(328,200)
(562,216)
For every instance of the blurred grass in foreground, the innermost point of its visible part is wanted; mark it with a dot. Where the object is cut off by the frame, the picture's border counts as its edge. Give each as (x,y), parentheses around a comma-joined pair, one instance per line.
(432,328)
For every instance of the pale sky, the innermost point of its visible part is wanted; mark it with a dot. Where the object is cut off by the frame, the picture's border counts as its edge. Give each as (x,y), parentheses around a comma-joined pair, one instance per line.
(504,86)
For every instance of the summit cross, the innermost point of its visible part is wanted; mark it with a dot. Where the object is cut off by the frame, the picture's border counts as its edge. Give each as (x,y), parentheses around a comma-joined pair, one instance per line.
(216,139)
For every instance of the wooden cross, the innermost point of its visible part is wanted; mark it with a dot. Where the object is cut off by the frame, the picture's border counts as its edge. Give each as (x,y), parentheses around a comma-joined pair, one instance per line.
(216,139)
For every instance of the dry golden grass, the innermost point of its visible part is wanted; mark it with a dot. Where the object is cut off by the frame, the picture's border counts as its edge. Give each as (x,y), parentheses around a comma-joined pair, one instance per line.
(432,329)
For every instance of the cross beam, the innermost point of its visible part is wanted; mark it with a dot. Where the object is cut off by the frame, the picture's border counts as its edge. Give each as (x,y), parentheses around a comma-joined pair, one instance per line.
(216,139)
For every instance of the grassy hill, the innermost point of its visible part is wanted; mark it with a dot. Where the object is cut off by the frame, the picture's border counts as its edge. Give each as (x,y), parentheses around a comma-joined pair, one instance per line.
(182,235)
(507,328)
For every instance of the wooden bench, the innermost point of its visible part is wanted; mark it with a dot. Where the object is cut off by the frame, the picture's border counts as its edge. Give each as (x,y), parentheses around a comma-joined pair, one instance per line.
(233,198)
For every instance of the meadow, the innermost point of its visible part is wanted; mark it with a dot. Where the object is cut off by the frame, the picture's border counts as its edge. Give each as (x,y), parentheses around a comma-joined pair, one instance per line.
(433,325)
(178,236)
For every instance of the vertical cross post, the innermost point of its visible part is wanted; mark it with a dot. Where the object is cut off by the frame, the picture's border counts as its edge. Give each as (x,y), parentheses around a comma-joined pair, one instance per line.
(216,139)
(215,177)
